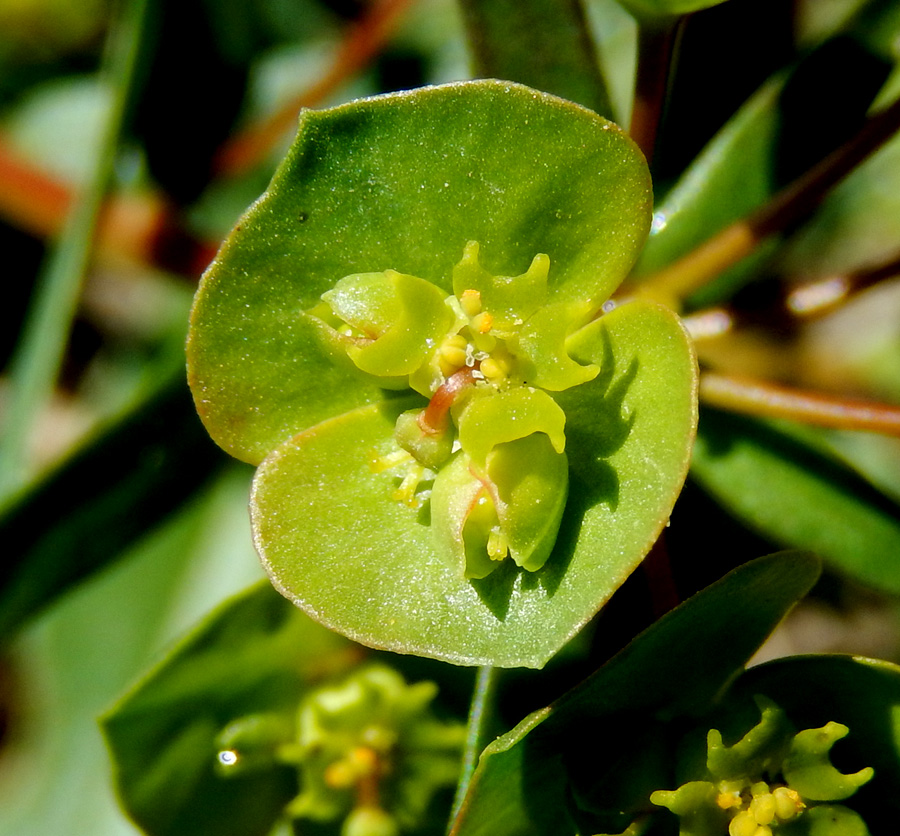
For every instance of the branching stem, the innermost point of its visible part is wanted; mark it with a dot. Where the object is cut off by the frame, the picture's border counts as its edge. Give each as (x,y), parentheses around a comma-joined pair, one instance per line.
(756,397)
(361,44)
(737,241)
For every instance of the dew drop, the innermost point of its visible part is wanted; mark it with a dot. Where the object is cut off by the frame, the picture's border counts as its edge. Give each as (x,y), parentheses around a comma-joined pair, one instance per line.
(228,757)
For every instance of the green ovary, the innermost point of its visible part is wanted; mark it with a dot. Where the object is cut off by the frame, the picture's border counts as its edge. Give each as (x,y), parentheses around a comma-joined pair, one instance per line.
(491,438)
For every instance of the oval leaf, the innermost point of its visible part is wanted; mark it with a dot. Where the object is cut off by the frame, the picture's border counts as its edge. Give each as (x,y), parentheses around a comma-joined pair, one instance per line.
(674,669)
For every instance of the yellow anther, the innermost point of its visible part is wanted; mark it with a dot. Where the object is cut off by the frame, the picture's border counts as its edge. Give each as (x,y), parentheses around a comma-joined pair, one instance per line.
(378,464)
(364,760)
(471,302)
(727,800)
(497,544)
(743,824)
(787,803)
(759,788)
(493,370)
(481,323)
(340,775)
(763,808)
(453,355)
(406,491)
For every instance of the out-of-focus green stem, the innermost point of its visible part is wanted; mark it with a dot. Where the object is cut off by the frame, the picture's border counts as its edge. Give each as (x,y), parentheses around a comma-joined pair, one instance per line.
(479,713)
(36,362)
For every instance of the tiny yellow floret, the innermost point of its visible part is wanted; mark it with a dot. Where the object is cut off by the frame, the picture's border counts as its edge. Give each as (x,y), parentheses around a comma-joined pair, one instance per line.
(726,800)
(340,775)
(365,759)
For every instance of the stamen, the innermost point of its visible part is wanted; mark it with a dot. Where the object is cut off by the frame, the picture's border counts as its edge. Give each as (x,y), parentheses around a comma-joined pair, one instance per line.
(743,824)
(379,464)
(787,803)
(482,323)
(493,370)
(406,492)
(453,354)
(471,302)
(763,808)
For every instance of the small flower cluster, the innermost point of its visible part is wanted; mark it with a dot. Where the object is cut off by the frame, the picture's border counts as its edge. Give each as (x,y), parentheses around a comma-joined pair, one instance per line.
(769,779)
(369,752)
(491,438)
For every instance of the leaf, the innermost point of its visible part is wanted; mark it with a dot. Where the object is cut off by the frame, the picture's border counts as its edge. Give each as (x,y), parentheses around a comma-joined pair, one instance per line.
(675,669)
(856,227)
(403,182)
(796,496)
(732,176)
(541,43)
(86,513)
(255,655)
(337,544)
(654,10)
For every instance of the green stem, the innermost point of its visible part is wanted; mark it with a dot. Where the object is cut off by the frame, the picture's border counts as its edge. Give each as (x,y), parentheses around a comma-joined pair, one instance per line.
(479,712)
(35,365)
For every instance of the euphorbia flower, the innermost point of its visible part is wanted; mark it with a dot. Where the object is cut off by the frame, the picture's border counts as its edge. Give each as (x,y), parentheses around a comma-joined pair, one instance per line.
(774,779)
(463,450)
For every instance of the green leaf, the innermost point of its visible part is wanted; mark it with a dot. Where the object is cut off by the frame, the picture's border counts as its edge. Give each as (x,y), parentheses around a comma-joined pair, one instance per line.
(85,515)
(403,182)
(857,225)
(797,496)
(671,672)
(732,176)
(254,656)
(542,43)
(654,10)
(337,544)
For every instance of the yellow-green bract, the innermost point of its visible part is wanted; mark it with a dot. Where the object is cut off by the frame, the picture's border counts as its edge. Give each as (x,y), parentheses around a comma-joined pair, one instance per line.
(334,332)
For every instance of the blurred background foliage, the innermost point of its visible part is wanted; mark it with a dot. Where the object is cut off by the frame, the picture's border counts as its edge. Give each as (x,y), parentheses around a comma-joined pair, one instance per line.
(160,121)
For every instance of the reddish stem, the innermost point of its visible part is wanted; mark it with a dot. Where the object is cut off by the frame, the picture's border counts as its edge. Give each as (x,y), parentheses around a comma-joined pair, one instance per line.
(757,397)
(362,43)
